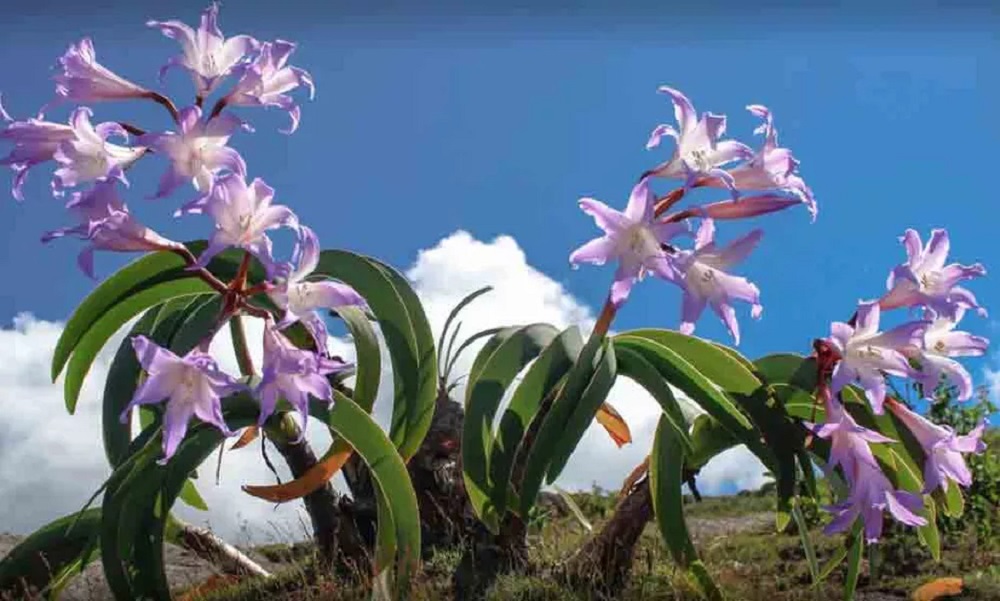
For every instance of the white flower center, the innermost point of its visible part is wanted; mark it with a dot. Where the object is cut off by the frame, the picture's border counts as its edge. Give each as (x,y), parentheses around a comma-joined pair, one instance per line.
(301,297)
(640,241)
(702,279)
(699,160)
(931,282)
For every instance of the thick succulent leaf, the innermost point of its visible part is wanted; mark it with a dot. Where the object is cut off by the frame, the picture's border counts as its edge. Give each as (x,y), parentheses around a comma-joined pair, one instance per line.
(708,439)
(720,364)
(369,370)
(543,447)
(52,554)
(634,365)
(666,465)
(705,392)
(191,497)
(539,382)
(788,368)
(407,335)
(97,335)
(583,413)
(486,387)
(141,274)
(141,491)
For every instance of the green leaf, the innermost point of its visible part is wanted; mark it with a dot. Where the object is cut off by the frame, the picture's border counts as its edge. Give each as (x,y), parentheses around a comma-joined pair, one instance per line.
(666,465)
(787,368)
(451,317)
(95,337)
(51,555)
(708,439)
(681,374)
(543,446)
(540,381)
(633,365)
(954,502)
(575,509)
(141,274)
(191,497)
(807,546)
(133,276)
(368,356)
(407,335)
(584,411)
(200,318)
(485,390)
(854,553)
(722,365)
(389,472)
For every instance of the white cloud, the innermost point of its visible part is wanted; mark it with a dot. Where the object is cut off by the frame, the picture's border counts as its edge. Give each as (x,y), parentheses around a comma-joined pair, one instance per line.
(51,462)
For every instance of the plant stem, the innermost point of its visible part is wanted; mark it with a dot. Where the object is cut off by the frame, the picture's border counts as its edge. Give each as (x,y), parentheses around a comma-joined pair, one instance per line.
(240,345)
(604,320)
(167,104)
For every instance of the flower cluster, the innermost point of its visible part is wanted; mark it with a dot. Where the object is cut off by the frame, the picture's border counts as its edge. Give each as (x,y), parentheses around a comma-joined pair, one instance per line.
(640,237)
(641,240)
(921,350)
(198,154)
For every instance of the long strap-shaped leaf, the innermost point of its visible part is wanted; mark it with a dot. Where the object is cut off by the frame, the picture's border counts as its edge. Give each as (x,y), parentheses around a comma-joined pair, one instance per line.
(407,335)
(50,555)
(139,275)
(543,447)
(539,382)
(666,465)
(584,411)
(110,322)
(702,390)
(637,368)
(494,369)
(142,491)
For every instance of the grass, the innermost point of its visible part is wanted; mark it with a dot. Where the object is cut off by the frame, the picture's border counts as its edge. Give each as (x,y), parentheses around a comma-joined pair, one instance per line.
(754,565)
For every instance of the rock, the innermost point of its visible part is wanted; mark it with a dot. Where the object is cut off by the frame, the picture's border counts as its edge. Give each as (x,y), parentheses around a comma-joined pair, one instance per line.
(183,568)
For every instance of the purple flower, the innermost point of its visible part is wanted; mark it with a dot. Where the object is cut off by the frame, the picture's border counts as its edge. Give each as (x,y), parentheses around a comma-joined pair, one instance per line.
(293,374)
(197,152)
(632,238)
(193,386)
(106,222)
(867,354)
(871,493)
(206,54)
(88,155)
(943,448)
(705,281)
(771,168)
(925,280)
(243,215)
(83,79)
(80,148)
(299,299)
(699,153)
(940,343)
(266,80)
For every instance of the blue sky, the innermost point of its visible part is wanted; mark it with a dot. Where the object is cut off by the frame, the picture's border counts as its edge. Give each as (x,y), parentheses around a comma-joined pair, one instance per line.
(497,121)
